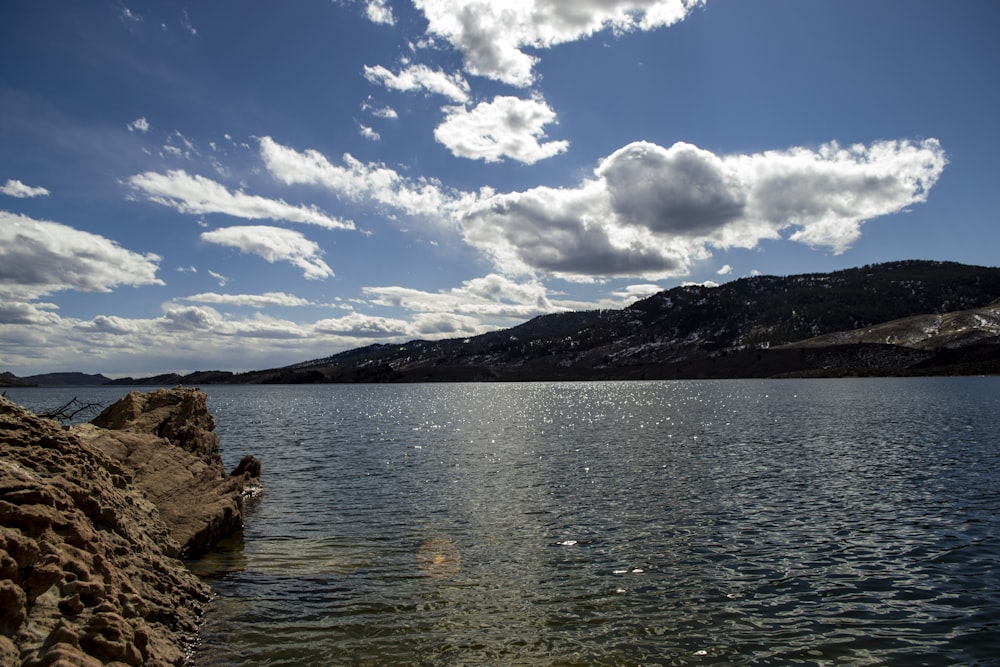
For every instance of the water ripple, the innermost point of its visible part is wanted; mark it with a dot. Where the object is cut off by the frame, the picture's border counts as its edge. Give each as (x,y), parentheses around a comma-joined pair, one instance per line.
(842,522)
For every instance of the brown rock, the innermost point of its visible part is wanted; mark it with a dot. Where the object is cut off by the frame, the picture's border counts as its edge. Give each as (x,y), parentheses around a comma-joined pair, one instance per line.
(13,604)
(165,441)
(178,415)
(91,523)
(9,655)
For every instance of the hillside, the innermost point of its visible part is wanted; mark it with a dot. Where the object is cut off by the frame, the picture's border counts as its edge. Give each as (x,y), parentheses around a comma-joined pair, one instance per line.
(898,318)
(953,330)
(696,331)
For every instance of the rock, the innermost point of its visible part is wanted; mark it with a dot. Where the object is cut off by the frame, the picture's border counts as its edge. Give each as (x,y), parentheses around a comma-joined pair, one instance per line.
(165,442)
(179,415)
(92,521)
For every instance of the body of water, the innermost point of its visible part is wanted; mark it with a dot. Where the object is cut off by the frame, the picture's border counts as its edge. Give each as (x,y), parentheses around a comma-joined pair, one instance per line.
(849,521)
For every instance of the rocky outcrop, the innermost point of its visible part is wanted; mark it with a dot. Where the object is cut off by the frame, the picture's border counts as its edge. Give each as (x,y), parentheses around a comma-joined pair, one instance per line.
(92,520)
(167,438)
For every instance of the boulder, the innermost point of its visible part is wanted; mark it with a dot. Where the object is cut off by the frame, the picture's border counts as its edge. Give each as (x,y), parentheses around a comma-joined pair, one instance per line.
(165,439)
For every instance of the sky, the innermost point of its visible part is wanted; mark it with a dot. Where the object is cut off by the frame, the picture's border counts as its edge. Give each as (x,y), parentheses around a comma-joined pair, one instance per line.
(241,184)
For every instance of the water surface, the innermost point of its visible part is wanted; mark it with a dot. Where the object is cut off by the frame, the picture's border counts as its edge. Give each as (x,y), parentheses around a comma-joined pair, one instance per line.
(721,522)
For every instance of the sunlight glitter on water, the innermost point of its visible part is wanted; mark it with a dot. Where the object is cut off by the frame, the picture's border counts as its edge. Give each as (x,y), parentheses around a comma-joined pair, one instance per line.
(751,522)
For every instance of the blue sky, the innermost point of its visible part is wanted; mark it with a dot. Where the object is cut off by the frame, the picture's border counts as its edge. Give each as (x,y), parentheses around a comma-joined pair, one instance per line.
(246,184)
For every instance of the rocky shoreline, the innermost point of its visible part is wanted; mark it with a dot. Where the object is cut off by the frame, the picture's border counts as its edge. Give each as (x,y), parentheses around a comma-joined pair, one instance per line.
(94,520)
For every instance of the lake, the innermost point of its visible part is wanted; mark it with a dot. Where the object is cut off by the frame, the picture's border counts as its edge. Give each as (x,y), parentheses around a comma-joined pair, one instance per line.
(765,522)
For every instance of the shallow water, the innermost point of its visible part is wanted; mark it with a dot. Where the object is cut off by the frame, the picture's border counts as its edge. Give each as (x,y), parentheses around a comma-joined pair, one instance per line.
(739,522)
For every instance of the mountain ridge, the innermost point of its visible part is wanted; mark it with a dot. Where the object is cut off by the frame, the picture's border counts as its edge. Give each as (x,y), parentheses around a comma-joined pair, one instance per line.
(759,326)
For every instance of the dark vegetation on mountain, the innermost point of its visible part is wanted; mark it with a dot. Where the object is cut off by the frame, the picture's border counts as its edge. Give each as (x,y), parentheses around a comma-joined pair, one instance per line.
(921,318)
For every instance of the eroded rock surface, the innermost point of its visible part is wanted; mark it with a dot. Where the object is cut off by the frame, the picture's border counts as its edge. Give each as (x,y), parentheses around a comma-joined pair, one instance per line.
(197,500)
(92,521)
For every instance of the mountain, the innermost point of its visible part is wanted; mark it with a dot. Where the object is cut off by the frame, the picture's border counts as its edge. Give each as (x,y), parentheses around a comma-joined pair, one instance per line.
(8,379)
(172,379)
(898,318)
(745,328)
(953,330)
(66,380)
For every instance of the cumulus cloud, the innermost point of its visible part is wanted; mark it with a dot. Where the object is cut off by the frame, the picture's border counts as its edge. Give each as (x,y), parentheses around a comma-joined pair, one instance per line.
(140,125)
(422,325)
(379,12)
(21,312)
(506,127)
(354,180)
(199,195)
(183,337)
(39,257)
(474,307)
(192,318)
(447,325)
(653,211)
(570,234)
(274,244)
(683,190)
(632,293)
(492,296)
(15,188)
(364,326)
(420,77)
(252,300)
(383,112)
(492,34)
(213,330)
(725,270)
(649,211)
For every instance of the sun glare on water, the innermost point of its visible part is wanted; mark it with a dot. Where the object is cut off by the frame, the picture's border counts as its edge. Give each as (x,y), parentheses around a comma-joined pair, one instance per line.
(439,559)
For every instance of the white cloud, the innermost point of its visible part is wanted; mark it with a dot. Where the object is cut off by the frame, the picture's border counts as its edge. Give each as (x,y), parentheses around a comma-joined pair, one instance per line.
(632,293)
(650,211)
(219,278)
(492,296)
(274,244)
(21,312)
(447,325)
(365,326)
(129,16)
(570,234)
(479,305)
(653,211)
(199,195)
(38,257)
(826,194)
(186,24)
(370,134)
(506,127)
(725,270)
(191,318)
(252,300)
(379,12)
(421,77)
(492,34)
(355,180)
(15,188)
(385,112)
(140,125)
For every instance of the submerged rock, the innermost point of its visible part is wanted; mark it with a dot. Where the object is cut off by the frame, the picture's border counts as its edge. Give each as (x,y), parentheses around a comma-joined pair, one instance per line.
(92,521)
